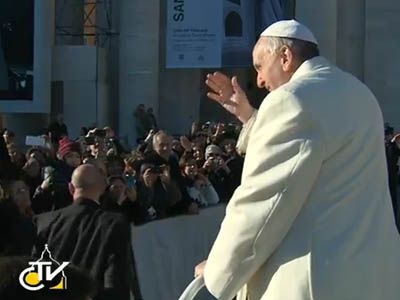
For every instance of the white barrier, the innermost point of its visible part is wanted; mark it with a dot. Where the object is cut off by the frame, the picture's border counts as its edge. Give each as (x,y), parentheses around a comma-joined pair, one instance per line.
(167,251)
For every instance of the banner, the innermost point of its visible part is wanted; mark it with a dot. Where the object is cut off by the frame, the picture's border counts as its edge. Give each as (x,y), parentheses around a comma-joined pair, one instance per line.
(217,33)
(194,33)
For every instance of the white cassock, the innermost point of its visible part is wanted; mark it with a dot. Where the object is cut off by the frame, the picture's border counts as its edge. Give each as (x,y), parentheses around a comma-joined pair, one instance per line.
(312,219)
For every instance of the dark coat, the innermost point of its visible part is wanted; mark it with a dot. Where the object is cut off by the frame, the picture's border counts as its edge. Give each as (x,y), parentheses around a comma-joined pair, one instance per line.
(392,156)
(17,233)
(93,239)
(57,195)
(176,175)
(134,212)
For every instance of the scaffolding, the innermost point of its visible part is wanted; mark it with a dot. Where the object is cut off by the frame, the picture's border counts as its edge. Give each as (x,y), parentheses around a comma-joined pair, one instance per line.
(84,22)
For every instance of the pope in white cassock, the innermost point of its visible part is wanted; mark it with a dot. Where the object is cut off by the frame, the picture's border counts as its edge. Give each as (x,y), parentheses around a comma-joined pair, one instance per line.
(312,218)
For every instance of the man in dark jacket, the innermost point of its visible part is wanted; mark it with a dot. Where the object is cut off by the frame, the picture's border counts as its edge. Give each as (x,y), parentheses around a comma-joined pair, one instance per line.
(89,237)
(162,156)
(392,156)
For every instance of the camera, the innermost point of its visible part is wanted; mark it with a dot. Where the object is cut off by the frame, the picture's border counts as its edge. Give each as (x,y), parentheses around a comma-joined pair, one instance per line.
(90,140)
(100,133)
(156,170)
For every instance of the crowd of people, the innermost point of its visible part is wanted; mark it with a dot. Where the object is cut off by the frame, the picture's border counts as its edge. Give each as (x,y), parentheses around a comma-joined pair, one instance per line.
(164,176)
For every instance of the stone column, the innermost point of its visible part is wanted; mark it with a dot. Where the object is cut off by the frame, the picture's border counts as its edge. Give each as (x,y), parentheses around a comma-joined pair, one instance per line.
(321,18)
(138,61)
(382,56)
(351,36)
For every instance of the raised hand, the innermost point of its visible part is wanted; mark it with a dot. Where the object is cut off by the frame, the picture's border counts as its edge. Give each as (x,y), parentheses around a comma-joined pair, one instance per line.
(186,143)
(221,87)
(230,95)
(238,104)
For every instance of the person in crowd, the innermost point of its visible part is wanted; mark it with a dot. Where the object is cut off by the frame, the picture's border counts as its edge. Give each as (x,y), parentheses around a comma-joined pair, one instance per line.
(217,171)
(200,140)
(57,129)
(9,137)
(40,154)
(198,155)
(142,124)
(16,228)
(8,169)
(53,193)
(16,155)
(113,143)
(132,169)
(96,140)
(121,198)
(177,149)
(198,185)
(158,193)
(146,146)
(32,174)
(132,166)
(312,218)
(83,132)
(101,240)
(195,128)
(151,119)
(392,150)
(234,161)
(162,156)
(115,165)
(80,286)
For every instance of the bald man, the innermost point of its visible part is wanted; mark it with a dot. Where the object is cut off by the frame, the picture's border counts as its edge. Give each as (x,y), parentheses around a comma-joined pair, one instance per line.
(89,237)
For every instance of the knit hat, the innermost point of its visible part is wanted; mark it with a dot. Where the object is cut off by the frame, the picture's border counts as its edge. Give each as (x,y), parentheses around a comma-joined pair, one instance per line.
(213,149)
(66,146)
(290,29)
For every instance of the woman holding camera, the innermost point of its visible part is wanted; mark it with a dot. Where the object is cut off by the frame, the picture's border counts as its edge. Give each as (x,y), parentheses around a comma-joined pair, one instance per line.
(197,184)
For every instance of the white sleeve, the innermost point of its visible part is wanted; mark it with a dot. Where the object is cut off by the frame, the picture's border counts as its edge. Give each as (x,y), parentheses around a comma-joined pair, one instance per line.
(283,160)
(244,135)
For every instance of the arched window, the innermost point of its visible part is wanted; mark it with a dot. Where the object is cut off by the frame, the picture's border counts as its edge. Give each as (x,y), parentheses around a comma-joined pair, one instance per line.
(233,24)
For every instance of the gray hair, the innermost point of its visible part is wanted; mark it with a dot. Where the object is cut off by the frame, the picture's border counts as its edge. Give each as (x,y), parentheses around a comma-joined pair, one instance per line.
(272,44)
(160,133)
(302,49)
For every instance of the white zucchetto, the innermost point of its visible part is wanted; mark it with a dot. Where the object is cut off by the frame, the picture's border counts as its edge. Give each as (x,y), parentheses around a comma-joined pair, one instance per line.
(290,29)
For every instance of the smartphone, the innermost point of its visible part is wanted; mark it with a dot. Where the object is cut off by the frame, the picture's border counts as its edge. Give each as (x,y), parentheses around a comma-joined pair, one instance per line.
(130,181)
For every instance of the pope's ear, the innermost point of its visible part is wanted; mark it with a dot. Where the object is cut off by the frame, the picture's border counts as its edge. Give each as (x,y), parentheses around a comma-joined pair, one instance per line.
(287,58)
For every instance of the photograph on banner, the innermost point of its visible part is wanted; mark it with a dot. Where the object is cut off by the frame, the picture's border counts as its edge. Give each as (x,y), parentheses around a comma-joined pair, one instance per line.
(16,49)
(243,23)
(194,34)
(239,33)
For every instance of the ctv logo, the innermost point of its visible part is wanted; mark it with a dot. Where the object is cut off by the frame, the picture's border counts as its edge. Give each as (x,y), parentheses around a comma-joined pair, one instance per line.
(44,273)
